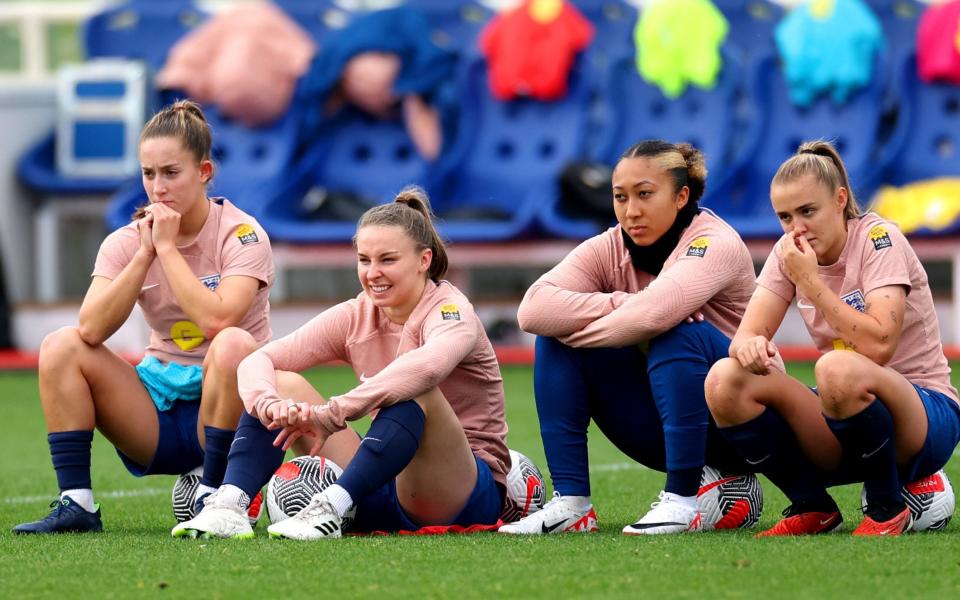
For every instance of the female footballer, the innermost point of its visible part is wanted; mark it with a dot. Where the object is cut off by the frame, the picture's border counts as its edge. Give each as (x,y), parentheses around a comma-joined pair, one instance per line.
(436,451)
(884,411)
(614,343)
(200,270)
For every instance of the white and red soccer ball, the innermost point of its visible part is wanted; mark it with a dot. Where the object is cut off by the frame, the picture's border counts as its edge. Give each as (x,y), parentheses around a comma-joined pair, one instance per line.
(728,501)
(930,500)
(526,492)
(293,485)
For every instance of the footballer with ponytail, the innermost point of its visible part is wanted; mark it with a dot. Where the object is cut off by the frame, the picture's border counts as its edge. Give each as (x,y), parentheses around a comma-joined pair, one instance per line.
(435,454)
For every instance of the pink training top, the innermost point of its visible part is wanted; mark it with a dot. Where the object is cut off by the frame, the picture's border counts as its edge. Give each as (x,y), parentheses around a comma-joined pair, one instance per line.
(230,243)
(876,255)
(442,344)
(595,297)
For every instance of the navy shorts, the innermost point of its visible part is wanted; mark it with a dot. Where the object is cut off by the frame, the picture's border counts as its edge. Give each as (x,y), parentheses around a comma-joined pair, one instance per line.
(381,510)
(943,434)
(178,447)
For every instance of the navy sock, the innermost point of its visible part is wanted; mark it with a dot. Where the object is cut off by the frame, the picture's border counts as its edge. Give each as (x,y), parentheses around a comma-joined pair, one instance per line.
(216,446)
(683,482)
(770,446)
(868,438)
(252,458)
(387,449)
(70,451)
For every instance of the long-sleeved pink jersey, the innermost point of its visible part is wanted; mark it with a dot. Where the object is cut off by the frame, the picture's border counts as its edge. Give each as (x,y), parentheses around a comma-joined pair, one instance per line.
(595,297)
(442,344)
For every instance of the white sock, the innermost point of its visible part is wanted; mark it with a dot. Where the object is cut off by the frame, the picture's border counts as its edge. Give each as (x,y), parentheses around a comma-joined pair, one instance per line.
(578,502)
(203,489)
(687,501)
(234,497)
(83,497)
(339,498)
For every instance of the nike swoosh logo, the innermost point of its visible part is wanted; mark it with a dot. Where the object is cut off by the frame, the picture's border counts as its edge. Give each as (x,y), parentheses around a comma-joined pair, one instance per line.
(363,377)
(548,528)
(703,490)
(802,304)
(757,462)
(825,521)
(372,439)
(149,287)
(237,439)
(869,454)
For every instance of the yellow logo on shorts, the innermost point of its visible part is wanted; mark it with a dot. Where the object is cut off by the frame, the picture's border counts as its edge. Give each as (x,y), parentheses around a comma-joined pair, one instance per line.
(186,335)
(450,312)
(247,234)
(880,237)
(698,247)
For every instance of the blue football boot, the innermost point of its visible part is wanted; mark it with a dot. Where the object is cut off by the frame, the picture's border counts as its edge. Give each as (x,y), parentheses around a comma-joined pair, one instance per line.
(66,516)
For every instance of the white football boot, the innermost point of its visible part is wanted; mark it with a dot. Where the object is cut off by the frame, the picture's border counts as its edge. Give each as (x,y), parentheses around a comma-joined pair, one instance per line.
(317,520)
(668,515)
(560,515)
(221,517)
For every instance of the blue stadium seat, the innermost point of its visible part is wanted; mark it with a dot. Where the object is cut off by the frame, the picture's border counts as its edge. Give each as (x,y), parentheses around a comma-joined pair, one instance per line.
(639,110)
(318,17)
(455,24)
(854,128)
(614,21)
(900,19)
(37,170)
(751,26)
(926,143)
(140,29)
(354,155)
(248,162)
(504,164)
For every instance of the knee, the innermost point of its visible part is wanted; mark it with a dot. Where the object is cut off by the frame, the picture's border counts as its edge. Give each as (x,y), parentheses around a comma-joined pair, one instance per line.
(840,382)
(60,348)
(679,340)
(227,349)
(295,386)
(724,386)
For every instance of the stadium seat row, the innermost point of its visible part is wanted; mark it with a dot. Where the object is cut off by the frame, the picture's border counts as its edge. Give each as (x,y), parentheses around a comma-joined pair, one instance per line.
(497,180)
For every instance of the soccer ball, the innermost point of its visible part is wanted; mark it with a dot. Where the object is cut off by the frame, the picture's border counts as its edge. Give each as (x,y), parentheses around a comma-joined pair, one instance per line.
(931,502)
(526,493)
(728,501)
(185,494)
(184,497)
(296,481)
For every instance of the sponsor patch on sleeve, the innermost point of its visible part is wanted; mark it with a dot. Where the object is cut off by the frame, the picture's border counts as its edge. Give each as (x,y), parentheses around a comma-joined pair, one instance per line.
(450,312)
(247,235)
(880,237)
(698,247)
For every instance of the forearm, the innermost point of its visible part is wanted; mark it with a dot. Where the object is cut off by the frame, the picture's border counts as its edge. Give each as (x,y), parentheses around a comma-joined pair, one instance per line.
(257,382)
(103,311)
(859,331)
(203,306)
(554,312)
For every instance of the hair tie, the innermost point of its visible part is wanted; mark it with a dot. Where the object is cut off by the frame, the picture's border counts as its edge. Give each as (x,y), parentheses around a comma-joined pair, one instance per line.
(809,151)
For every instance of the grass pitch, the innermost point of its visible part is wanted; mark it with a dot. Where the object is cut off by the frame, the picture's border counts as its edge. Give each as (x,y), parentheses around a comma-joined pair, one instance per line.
(136,556)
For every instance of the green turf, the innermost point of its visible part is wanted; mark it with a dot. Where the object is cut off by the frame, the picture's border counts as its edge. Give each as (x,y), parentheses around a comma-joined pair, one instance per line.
(137,557)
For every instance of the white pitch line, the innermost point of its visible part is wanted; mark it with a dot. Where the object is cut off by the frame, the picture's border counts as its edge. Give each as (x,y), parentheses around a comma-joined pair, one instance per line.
(111,494)
(621,466)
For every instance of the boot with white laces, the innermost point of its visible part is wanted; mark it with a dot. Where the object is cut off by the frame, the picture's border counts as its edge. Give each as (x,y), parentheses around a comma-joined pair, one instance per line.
(318,520)
(671,514)
(224,515)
